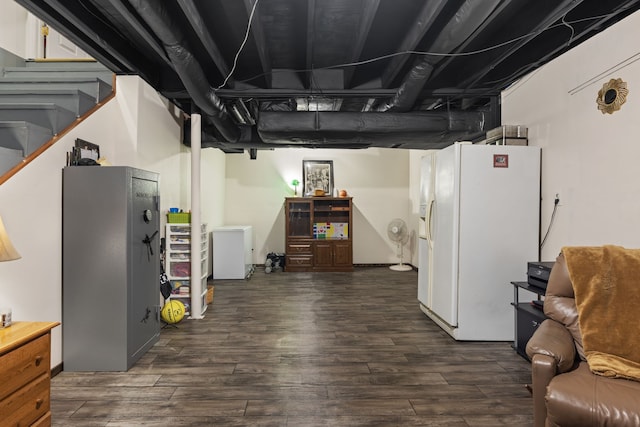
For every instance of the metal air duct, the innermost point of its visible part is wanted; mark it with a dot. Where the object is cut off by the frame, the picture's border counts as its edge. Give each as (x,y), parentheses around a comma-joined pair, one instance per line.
(156,16)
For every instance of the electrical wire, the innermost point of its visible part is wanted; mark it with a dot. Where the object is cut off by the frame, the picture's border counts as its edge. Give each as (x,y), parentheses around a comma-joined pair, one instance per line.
(244,41)
(553,215)
(563,22)
(570,27)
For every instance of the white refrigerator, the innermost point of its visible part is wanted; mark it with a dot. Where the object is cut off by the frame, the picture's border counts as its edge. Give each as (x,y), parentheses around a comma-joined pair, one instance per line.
(479,226)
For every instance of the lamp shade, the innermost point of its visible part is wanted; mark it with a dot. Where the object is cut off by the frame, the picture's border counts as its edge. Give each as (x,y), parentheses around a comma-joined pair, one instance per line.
(7,251)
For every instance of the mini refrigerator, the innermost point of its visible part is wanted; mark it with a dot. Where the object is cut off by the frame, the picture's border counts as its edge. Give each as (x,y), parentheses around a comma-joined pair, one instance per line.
(232,251)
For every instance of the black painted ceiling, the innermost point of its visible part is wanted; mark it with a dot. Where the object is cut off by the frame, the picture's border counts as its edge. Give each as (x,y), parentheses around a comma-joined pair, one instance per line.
(331,73)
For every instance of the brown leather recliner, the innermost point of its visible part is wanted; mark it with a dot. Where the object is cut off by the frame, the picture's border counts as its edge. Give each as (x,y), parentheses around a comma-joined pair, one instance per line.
(565,392)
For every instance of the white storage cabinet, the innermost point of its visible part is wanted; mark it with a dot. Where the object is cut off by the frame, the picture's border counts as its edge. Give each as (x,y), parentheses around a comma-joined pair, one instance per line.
(178,263)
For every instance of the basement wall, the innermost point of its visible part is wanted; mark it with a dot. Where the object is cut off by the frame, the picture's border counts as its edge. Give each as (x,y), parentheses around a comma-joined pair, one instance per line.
(589,159)
(376,178)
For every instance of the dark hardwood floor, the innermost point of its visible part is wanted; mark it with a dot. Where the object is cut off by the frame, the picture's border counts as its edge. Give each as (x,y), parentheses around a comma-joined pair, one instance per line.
(306,349)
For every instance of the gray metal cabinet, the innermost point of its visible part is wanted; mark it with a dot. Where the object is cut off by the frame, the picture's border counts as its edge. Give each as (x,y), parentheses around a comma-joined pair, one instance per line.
(111,265)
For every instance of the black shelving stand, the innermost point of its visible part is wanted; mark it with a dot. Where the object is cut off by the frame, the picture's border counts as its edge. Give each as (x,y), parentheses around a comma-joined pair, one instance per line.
(527,317)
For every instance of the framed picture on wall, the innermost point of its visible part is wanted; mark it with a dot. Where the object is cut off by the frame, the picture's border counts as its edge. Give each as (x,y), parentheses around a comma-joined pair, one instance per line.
(317,177)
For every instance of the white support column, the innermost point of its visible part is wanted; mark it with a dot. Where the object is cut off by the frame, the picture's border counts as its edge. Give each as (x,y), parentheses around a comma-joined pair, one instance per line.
(196,239)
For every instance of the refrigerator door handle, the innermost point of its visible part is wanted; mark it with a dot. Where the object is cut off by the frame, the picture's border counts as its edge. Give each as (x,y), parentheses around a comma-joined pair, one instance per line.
(432,202)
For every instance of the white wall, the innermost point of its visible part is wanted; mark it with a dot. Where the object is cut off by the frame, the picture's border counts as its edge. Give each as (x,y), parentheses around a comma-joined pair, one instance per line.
(378,180)
(13,20)
(589,159)
(213,186)
(137,129)
(150,121)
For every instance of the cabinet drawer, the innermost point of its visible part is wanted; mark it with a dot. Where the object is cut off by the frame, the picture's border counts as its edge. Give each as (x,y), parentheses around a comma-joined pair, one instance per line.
(23,364)
(26,405)
(180,269)
(182,247)
(299,248)
(299,261)
(180,229)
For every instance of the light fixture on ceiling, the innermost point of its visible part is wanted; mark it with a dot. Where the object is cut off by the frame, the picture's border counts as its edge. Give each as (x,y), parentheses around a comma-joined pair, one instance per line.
(7,253)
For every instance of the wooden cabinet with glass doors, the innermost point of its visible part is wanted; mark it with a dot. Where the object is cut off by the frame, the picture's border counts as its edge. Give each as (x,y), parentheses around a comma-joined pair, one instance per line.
(319,234)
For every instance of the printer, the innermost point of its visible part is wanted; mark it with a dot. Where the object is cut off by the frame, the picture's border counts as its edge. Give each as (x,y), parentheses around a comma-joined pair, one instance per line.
(538,273)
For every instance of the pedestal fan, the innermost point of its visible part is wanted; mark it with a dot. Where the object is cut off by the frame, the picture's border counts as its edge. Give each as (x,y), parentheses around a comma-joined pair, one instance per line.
(398,233)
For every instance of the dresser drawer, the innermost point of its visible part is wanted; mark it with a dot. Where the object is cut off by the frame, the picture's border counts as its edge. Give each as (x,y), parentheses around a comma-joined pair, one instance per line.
(45,421)
(28,404)
(23,364)
(298,261)
(299,248)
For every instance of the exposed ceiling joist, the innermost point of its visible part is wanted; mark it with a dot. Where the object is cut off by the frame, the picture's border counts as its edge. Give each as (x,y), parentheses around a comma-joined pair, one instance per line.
(352,59)
(557,13)
(496,12)
(591,27)
(133,23)
(200,27)
(311,22)
(364,27)
(257,32)
(428,15)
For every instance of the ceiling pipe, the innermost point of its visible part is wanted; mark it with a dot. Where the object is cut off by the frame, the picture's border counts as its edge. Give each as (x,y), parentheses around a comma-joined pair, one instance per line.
(408,92)
(156,16)
(304,128)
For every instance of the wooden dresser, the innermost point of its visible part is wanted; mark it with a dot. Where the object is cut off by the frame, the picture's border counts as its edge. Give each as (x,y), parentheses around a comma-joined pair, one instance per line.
(25,374)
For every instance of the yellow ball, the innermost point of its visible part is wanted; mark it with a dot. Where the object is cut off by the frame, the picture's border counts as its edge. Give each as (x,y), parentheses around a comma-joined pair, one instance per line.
(173,311)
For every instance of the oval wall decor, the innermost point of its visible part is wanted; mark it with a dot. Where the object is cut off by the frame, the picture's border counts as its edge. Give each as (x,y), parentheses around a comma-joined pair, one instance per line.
(612,95)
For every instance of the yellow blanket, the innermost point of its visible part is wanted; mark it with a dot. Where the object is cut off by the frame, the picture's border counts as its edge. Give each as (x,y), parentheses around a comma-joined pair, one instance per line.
(606,282)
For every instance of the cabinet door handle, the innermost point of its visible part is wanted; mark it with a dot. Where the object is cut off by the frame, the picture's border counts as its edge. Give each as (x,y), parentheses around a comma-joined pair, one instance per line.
(38,360)
(39,403)
(535,324)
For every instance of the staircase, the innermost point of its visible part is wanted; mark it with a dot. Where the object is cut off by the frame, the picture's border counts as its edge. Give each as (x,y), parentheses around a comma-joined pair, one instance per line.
(40,100)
